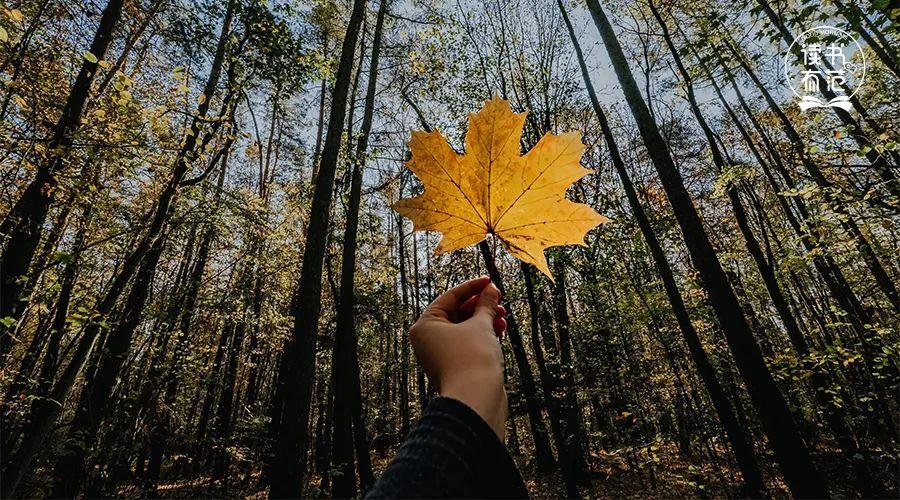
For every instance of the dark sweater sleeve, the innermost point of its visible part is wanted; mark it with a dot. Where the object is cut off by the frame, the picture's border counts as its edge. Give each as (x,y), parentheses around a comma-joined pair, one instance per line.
(451,453)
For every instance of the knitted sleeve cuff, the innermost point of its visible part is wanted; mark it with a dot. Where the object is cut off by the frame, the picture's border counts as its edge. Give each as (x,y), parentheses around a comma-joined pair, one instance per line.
(451,452)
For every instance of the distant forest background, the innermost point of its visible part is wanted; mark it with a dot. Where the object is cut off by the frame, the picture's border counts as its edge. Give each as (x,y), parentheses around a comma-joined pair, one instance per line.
(204,292)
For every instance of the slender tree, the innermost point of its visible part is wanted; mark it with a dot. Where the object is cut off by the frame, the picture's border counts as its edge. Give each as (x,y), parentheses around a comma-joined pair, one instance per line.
(348,418)
(740,445)
(23,225)
(290,412)
(791,452)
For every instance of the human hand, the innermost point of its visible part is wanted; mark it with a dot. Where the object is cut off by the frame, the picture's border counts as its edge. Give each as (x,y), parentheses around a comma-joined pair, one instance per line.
(456,341)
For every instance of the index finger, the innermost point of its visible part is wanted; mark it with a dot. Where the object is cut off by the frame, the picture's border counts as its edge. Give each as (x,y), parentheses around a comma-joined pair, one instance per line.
(449,301)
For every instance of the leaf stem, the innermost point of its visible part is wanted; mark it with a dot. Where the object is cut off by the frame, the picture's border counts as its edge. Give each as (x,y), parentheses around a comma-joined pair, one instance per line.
(494,248)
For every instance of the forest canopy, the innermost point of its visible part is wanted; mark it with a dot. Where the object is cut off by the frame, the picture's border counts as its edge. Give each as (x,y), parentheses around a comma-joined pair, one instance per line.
(213,244)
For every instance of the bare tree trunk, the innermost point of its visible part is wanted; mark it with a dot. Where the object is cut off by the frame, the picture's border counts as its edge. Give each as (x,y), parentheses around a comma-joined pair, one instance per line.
(742,449)
(543,452)
(212,389)
(576,467)
(548,382)
(290,414)
(23,225)
(791,452)
(224,421)
(349,429)
(404,351)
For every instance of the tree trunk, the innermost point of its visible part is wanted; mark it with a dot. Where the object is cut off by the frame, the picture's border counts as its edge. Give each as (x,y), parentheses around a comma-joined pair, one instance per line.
(320,127)
(548,383)
(23,225)
(39,265)
(404,351)
(543,452)
(295,377)
(224,421)
(743,451)
(348,421)
(576,466)
(791,452)
(212,386)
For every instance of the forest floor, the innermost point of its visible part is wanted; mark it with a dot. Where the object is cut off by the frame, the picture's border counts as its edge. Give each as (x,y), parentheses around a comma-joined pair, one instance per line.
(673,480)
(656,470)
(653,471)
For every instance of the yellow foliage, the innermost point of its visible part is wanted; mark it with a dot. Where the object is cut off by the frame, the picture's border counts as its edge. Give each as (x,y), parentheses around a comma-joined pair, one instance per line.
(493,189)
(15,15)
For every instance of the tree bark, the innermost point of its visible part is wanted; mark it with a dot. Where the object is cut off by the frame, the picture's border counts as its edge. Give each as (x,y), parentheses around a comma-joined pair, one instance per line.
(295,377)
(792,454)
(348,421)
(23,225)
(741,447)
(543,452)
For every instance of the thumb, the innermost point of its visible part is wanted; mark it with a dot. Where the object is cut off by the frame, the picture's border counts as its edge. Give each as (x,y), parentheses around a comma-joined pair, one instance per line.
(486,308)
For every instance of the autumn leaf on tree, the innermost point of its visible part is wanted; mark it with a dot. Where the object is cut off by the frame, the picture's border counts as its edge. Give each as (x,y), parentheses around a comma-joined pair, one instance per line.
(493,189)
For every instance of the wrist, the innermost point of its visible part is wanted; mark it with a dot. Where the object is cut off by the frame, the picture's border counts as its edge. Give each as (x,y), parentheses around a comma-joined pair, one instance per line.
(484,393)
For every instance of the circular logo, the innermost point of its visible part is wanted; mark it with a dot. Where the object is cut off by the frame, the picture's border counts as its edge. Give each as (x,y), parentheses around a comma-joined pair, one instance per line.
(825,67)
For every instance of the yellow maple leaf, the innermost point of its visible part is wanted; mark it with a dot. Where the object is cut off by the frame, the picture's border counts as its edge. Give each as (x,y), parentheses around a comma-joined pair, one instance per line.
(493,189)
